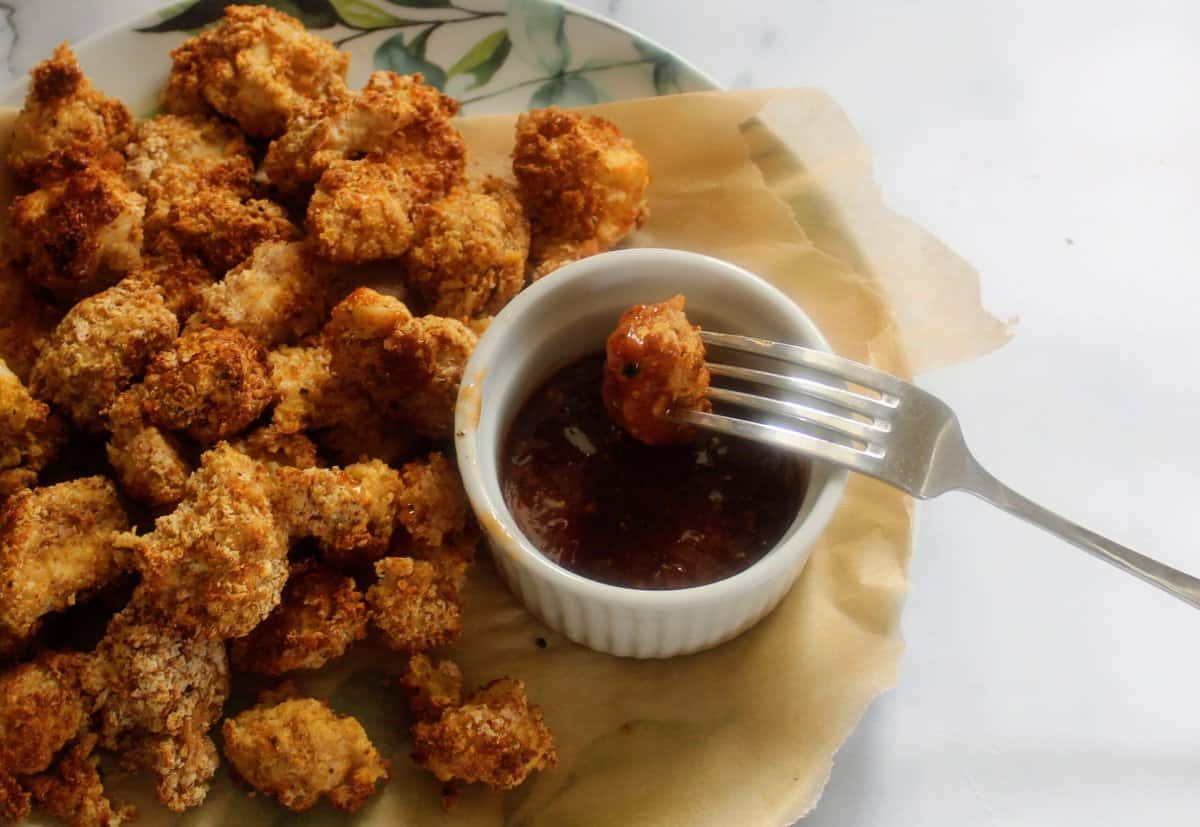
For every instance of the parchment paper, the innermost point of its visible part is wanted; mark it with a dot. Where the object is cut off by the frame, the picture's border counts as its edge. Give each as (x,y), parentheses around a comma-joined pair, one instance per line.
(744,734)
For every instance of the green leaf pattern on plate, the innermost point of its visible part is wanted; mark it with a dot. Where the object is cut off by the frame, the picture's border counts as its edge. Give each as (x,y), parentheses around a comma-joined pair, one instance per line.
(363,15)
(405,58)
(484,59)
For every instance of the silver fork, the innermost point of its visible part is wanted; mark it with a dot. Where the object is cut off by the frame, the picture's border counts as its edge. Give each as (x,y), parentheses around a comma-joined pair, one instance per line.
(893,431)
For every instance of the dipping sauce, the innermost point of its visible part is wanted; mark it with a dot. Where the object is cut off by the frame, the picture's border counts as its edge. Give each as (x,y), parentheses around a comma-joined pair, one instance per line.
(598,502)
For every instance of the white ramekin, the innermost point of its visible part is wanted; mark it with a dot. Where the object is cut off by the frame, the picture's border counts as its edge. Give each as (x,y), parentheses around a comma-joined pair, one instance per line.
(560,319)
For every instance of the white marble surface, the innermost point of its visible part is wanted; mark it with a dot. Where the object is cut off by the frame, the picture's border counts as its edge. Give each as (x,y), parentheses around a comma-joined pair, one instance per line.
(1055,145)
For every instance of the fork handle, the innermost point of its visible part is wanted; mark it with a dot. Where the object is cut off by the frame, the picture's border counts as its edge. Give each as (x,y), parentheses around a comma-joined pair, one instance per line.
(1172,581)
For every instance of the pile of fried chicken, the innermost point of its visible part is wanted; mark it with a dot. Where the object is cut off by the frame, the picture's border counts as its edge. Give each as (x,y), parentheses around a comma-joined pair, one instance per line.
(216,438)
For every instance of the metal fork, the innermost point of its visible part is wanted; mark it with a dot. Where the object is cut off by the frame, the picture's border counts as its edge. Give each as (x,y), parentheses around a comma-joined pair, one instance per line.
(890,430)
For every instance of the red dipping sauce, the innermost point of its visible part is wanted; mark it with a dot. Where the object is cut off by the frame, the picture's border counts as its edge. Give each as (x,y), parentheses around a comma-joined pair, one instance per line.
(604,505)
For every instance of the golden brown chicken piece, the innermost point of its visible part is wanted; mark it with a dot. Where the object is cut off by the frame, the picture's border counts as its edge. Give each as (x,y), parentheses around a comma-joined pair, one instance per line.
(150,464)
(432,503)
(412,606)
(99,348)
(26,319)
(450,559)
(432,689)
(42,707)
(277,296)
(30,434)
(655,364)
(80,234)
(302,379)
(362,211)
(66,122)
(272,445)
(350,513)
(298,750)
(224,229)
(216,565)
(180,278)
(210,384)
(410,367)
(469,259)
(395,117)
(583,185)
(321,614)
(182,765)
(73,792)
(257,67)
(496,737)
(72,525)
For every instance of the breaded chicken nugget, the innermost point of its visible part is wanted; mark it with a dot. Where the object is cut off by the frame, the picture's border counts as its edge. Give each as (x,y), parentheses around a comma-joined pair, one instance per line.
(321,614)
(223,229)
(302,378)
(412,606)
(66,122)
(409,366)
(71,525)
(30,434)
(350,513)
(150,464)
(26,319)
(258,67)
(210,384)
(583,185)
(180,278)
(272,445)
(362,211)
(182,765)
(99,348)
(216,565)
(496,737)
(397,117)
(73,792)
(655,364)
(432,689)
(81,233)
(431,500)
(470,256)
(298,750)
(277,296)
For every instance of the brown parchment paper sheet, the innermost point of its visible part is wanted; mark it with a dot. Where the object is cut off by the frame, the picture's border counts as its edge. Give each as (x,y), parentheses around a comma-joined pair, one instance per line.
(779,183)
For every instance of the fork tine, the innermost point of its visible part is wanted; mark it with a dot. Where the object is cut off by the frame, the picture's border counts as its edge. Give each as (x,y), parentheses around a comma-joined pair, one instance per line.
(813,446)
(842,425)
(838,366)
(857,402)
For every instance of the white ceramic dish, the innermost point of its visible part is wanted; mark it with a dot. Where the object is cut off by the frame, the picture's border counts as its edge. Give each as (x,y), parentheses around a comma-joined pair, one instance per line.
(560,319)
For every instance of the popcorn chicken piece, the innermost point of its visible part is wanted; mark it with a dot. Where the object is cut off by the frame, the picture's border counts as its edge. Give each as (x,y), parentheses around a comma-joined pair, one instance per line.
(432,502)
(224,229)
(73,792)
(180,278)
(470,256)
(258,67)
(302,378)
(99,348)
(210,384)
(432,689)
(81,233)
(66,122)
(216,565)
(411,367)
(397,118)
(351,513)
(450,559)
(272,445)
(583,185)
(30,435)
(321,614)
(277,296)
(496,738)
(298,750)
(182,765)
(655,364)
(413,608)
(150,464)
(57,543)
(362,211)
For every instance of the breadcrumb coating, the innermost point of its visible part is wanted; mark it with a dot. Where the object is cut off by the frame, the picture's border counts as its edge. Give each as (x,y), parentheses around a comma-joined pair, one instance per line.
(224,229)
(150,464)
(496,738)
(30,434)
(258,67)
(66,122)
(350,513)
(362,211)
(432,502)
(180,278)
(272,445)
(397,118)
(583,185)
(26,319)
(277,296)
(302,379)
(432,689)
(298,750)
(42,707)
(73,792)
(412,606)
(182,765)
(655,364)
(411,367)
(210,384)
(216,565)
(322,613)
(470,257)
(99,348)
(57,543)
(80,234)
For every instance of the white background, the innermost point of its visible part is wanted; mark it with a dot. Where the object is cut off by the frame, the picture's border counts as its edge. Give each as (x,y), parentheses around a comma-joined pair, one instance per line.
(1055,145)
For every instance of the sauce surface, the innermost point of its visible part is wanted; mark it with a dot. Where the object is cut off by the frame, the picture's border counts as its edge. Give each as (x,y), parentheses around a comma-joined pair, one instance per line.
(606,506)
